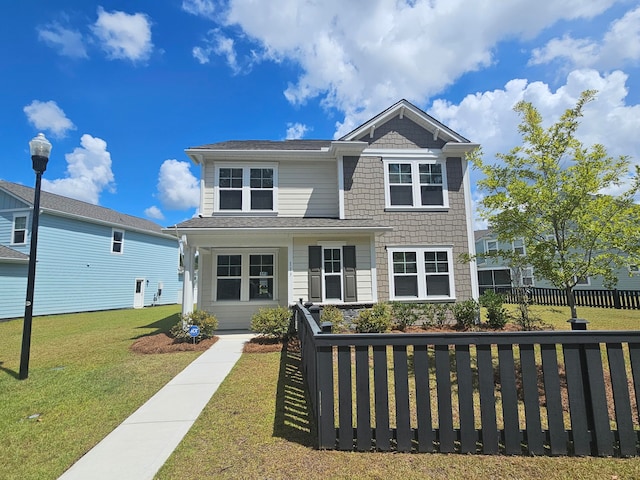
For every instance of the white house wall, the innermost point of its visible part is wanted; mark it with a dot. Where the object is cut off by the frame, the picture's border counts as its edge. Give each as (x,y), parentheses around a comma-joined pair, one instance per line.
(364,280)
(307,189)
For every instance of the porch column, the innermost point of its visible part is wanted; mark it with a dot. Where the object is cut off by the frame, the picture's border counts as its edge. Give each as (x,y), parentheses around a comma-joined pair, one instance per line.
(187,283)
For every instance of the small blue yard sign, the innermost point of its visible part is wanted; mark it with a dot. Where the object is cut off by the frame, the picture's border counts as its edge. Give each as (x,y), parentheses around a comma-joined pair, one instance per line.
(194,331)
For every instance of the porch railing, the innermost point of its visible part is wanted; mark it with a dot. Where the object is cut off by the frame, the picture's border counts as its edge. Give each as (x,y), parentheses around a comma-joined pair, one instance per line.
(620,299)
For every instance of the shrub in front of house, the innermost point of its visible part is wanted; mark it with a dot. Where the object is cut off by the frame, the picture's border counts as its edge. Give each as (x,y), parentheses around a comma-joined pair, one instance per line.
(496,313)
(331,313)
(272,322)
(377,319)
(404,314)
(206,322)
(466,312)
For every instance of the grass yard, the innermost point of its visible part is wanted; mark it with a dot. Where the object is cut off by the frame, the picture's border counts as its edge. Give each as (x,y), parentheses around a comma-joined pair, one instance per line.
(256,426)
(83,382)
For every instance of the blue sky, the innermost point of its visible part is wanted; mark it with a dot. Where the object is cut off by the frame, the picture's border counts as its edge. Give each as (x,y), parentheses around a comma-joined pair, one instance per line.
(122,88)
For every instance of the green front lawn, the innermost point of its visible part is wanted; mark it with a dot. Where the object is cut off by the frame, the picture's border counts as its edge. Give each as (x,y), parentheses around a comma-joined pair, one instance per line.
(257,426)
(83,382)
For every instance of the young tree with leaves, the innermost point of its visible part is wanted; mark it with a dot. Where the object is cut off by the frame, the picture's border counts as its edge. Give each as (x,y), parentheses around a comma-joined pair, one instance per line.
(551,191)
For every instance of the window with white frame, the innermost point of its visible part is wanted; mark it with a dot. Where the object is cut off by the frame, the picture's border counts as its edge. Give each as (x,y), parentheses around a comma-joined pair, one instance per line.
(245,276)
(584,281)
(19,235)
(518,246)
(117,241)
(491,246)
(421,273)
(419,184)
(527,277)
(246,188)
(332,273)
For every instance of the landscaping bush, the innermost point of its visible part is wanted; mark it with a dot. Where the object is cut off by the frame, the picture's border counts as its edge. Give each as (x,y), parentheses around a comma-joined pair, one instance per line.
(376,319)
(427,314)
(441,313)
(466,312)
(496,313)
(206,322)
(331,313)
(404,314)
(272,322)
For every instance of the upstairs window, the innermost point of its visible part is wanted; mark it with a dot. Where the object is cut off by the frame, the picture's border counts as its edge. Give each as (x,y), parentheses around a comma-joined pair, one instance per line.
(518,246)
(415,184)
(117,241)
(492,246)
(246,188)
(19,235)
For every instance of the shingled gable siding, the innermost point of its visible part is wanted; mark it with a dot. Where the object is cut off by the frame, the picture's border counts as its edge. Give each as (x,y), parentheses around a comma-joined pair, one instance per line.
(364,197)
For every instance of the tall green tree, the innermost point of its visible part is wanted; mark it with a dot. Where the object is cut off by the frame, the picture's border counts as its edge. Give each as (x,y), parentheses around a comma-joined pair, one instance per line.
(551,191)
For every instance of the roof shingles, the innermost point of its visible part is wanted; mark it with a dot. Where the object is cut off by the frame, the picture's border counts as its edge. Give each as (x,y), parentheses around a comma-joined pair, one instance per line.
(65,205)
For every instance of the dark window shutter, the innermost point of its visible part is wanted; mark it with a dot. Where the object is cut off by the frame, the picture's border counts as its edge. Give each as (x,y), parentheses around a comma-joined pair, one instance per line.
(349,273)
(315,273)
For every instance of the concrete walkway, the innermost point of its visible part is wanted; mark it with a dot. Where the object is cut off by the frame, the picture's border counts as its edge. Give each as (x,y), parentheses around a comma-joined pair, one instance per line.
(137,448)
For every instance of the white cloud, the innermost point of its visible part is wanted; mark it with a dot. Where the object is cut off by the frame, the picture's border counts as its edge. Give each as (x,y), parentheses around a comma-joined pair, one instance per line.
(154,212)
(68,43)
(124,36)
(362,57)
(488,117)
(620,44)
(49,117)
(218,44)
(201,8)
(88,172)
(296,131)
(178,188)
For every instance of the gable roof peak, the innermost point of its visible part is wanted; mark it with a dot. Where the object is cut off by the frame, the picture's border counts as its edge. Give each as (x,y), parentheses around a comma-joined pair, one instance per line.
(401,109)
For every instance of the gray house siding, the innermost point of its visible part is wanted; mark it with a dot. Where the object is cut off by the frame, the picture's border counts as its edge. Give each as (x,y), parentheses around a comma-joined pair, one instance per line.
(364,196)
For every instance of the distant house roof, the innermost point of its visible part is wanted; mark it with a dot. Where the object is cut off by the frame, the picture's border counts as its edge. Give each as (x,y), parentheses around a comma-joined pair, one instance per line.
(10,255)
(478,234)
(76,208)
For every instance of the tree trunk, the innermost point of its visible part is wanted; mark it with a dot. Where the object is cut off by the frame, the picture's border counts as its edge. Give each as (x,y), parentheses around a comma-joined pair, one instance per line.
(571,300)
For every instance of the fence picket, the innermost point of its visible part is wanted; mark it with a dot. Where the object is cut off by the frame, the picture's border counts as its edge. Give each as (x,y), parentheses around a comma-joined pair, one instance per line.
(401,382)
(446,434)
(622,402)
(381,389)
(487,400)
(363,402)
(423,398)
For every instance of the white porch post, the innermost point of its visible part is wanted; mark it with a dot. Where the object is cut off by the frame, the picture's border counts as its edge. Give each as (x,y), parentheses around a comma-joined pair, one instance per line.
(187,283)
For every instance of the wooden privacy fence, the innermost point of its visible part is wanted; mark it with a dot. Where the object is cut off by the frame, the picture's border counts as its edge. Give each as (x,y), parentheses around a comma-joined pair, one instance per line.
(533,393)
(620,299)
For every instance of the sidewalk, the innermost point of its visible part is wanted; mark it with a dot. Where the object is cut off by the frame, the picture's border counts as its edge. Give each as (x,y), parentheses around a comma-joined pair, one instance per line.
(137,448)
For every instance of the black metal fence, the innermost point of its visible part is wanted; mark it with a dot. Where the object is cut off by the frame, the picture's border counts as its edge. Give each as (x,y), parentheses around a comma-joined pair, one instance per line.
(532,393)
(621,299)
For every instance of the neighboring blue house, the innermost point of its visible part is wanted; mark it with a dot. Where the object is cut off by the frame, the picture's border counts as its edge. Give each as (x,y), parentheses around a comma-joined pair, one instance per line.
(494,273)
(89,257)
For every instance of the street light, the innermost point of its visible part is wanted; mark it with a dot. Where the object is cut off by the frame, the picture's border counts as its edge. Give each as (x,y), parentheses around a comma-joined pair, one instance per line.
(40,148)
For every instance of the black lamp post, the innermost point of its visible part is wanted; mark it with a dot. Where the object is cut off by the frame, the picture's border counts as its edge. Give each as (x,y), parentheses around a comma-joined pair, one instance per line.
(40,148)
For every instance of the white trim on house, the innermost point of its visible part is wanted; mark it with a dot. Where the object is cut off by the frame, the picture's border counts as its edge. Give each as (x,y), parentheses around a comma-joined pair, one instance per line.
(421,274)
(415,163)
(246,188)
(471,244)
(340,162)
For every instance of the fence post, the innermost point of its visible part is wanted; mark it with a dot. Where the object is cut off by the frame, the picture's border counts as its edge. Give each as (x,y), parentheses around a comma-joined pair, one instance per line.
(616,299)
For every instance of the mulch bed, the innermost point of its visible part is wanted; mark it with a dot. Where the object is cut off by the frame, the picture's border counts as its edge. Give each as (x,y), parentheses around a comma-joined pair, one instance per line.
(163,343)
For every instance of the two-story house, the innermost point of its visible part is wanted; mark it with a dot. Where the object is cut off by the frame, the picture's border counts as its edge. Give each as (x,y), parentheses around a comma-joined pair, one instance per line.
(495,273)
(89,257)
(381,214)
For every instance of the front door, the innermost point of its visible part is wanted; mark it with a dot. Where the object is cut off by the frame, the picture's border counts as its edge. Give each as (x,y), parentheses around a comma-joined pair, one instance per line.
(138,296)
